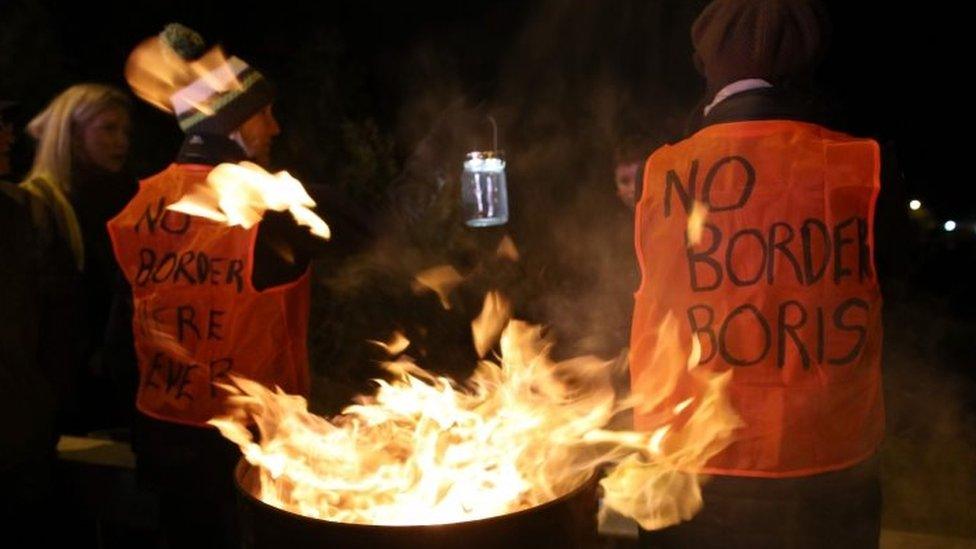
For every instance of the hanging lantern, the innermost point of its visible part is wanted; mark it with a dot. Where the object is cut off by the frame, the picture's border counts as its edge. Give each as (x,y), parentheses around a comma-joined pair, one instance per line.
(484,191)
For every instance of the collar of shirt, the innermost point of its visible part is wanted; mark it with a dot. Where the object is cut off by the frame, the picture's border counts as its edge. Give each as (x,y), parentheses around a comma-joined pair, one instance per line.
(738,86)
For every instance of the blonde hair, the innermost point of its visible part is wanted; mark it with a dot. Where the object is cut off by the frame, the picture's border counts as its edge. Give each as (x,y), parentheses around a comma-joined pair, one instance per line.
(54,129)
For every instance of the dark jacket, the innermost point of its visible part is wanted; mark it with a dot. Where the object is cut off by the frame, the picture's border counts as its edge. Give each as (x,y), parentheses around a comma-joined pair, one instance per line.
(80,295)
(27,396)
(97,196)
(56,297)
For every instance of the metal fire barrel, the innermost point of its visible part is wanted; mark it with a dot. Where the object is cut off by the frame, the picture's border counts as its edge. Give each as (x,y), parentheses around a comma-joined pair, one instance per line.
(567,522)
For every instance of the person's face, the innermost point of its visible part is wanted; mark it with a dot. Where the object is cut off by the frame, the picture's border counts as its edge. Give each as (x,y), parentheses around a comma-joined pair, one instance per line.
(625,176)
(104,140)
(6,141)
(258,132)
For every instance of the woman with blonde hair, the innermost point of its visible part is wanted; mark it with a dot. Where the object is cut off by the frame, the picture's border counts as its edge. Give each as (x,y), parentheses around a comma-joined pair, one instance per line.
(77,183)
(85,128)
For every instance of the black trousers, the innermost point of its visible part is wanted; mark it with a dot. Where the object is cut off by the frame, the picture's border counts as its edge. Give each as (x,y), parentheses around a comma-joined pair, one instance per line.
(29,499)
(191,470)
(838,510)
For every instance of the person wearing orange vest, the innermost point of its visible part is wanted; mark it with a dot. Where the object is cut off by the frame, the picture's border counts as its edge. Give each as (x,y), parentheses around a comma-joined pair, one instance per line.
(207,300)
(777,284)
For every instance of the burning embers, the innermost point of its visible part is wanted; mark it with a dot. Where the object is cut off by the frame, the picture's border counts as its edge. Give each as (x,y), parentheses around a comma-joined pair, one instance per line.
(522,431)
(239,194)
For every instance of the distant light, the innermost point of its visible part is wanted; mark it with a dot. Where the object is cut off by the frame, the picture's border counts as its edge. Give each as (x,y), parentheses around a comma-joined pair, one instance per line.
(915,204)
(950,226)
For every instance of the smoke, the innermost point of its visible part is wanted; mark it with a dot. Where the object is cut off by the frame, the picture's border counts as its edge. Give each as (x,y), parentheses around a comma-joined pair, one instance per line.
(567,82)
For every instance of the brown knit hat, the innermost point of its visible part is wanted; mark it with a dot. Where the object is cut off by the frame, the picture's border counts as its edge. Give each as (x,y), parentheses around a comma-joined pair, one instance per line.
(772,39)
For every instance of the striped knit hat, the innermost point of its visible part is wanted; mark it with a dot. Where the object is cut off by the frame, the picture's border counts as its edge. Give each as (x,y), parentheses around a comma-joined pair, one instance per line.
(220,99)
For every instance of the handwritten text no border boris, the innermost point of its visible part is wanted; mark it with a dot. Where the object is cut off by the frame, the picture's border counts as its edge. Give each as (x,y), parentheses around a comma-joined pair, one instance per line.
(804,255)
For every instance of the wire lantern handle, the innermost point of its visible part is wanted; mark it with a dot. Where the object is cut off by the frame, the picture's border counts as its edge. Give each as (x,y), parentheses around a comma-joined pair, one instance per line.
(494,132)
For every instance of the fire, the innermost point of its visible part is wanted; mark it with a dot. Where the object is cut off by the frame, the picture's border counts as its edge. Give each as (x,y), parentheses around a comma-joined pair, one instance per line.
(696,222)
(397,344)
(524,429)
(507,249)
(441,280)
(240,194)
(155,72)
(490,323)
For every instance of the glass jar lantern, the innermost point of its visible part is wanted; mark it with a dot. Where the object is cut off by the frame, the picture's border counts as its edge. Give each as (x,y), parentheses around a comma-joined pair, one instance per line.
(484,192)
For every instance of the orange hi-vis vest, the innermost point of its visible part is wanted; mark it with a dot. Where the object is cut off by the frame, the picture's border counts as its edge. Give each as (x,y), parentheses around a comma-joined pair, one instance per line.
(780,288)
(196,316)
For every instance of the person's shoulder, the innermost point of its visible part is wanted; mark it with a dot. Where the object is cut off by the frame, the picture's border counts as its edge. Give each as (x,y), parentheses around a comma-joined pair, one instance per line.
(12,202)
(14,211)
(11,192)
(32,202)
(25,200)
(774,103)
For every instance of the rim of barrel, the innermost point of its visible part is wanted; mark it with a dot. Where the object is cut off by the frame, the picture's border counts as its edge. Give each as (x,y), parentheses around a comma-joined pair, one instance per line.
(243,468)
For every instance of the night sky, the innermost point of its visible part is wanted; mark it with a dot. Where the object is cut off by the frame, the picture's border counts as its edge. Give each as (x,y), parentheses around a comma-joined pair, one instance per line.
(568,74)
(885,69)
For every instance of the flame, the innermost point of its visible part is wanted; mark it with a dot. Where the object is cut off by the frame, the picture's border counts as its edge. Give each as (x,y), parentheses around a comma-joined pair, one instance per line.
(240,194)
(507,249)
(690,433)
(155,73)
(441,279)
(397,344)
(696,222)
(522,430)
(488,326)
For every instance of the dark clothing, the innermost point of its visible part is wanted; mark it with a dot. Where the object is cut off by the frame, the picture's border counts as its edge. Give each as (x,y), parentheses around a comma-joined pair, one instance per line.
(761,104)
(839,510)
(209,150)
(50,306)
(101,401)
(191,471)
(27,396)
(97,196)
(76,295)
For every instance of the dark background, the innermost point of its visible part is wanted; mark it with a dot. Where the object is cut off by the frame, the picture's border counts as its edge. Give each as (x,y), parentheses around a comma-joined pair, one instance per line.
(375,96)
(886,70)
(362,85)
